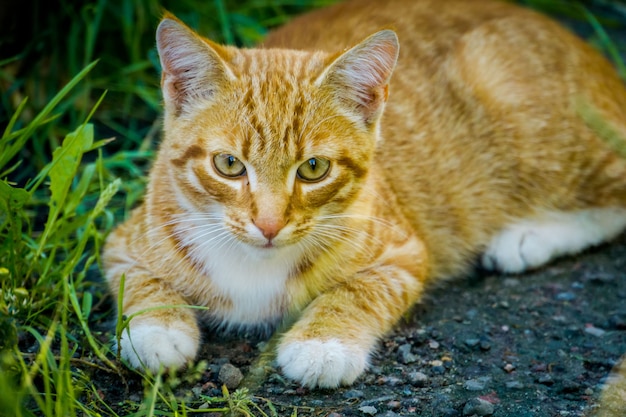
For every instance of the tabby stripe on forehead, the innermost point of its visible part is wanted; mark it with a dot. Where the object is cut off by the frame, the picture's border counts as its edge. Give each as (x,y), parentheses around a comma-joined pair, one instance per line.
(192,152)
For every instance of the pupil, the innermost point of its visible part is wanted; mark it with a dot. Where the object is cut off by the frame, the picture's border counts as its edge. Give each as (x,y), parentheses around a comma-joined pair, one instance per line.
(312,164)
(231,160)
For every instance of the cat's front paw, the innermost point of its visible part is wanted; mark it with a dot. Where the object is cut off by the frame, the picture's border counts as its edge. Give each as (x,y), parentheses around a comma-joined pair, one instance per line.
(324,364)
(151,346)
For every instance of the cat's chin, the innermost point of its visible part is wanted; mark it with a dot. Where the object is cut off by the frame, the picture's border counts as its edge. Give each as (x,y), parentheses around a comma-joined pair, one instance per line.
(264,251)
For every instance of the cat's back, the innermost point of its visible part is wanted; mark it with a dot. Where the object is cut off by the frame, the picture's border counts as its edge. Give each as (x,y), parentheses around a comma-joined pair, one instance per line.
(427,27)
(346,22)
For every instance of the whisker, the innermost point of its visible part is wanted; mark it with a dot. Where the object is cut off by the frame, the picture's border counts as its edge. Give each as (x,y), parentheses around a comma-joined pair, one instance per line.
(205,219)
(330,232)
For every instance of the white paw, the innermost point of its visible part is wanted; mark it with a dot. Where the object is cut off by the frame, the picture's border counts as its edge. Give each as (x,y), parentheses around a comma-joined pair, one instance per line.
(325,364)
(518,249)
(152,347)
(531,243)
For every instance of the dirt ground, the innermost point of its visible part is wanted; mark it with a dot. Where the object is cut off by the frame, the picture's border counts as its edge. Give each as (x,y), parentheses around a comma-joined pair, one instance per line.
(539,344)
(547,343)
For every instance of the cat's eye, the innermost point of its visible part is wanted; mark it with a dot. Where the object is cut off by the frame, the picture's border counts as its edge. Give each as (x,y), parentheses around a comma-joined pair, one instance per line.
(314,169)
(228,165)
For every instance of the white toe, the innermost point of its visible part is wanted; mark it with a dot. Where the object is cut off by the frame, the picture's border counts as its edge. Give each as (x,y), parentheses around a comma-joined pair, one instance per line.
(326,364)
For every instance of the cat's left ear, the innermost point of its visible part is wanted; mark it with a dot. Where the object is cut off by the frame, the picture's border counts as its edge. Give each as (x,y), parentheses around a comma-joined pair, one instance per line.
(359,77)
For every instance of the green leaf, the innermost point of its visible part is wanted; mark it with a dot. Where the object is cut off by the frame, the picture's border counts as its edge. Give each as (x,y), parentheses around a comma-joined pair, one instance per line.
(86,304)
(62,170)
(12,199)
(11,202)
(79,192)
(65,163)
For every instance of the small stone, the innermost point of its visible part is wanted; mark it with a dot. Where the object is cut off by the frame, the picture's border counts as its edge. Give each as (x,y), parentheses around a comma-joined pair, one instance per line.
(565,296)
(545,379)
(578,285)
(433,344)
(478,407)
(474,385)
(439,370)
(514,385)
(509,367)
(418,379)
(394,404)
(353,394)
(197,391)
(405,355)
(391,381)
(471,342)
(594,331)
(368,409)
(485,345)
(230,376)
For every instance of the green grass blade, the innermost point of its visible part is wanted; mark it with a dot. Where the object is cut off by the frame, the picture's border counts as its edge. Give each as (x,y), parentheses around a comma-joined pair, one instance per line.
(15,147)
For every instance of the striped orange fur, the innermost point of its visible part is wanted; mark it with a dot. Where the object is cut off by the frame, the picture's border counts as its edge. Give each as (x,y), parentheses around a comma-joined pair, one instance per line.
(301,177)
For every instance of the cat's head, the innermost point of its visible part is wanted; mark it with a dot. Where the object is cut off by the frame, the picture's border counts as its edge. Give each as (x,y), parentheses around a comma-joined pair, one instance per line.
(270,145)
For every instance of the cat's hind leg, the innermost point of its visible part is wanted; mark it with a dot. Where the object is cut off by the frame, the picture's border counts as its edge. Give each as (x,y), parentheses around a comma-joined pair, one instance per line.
(531,243)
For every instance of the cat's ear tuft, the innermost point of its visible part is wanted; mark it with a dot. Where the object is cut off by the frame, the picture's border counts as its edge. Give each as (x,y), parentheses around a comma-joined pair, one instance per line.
(360,76)
(192,68)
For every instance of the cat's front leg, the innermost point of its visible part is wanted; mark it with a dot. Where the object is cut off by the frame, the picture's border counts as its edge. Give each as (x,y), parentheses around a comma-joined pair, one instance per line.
(331,343)
(163,333)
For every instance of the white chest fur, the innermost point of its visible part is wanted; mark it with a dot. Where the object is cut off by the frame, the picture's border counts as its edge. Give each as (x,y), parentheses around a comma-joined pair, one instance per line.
(253,279)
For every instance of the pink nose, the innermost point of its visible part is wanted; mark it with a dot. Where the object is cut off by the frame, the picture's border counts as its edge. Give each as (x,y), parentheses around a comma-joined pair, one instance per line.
(270,227)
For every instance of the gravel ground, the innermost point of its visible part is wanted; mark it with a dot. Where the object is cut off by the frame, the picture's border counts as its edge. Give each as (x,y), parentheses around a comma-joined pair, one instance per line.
(547,343)
(539,344)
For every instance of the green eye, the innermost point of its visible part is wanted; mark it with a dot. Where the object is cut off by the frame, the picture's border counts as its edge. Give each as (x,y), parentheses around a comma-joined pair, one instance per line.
(228,166)
(314,169)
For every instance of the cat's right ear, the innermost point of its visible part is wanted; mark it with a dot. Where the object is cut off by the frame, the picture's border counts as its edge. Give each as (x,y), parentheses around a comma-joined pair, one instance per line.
(192,67)
(359,77)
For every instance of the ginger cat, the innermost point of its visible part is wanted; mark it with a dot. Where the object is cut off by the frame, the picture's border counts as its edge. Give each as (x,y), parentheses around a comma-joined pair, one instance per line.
(281,187)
